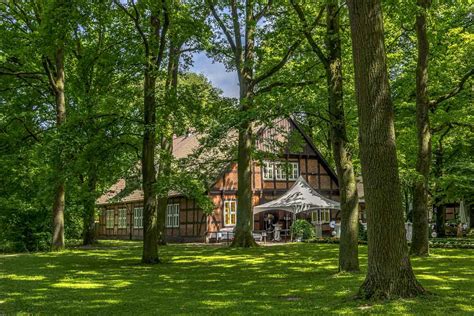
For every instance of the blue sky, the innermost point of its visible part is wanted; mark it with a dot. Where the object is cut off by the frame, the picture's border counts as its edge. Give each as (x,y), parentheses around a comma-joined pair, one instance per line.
(217,74)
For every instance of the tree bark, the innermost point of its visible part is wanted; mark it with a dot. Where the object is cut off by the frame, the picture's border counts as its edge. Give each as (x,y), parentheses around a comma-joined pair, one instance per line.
(59,194)
(164,173)
(438,201)
(420,243)
(348,246)
(389,272)
(150,227)
(89,234)
(243,230)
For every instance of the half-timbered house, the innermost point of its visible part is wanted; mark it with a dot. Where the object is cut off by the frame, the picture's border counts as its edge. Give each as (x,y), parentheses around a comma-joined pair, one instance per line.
(271,178)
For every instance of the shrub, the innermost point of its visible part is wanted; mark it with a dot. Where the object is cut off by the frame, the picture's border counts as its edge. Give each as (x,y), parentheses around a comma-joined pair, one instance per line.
(303,229)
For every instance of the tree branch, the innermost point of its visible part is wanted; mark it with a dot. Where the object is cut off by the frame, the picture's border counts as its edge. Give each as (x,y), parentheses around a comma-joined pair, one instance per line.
(307,31)
(454,91)
(273,85)
(264,11)
(46,64)
(163,32)
(280,64)
(136,22)
(222,26)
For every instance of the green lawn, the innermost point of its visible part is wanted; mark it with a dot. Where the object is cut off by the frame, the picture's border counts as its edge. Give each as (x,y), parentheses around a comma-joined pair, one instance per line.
(285,279)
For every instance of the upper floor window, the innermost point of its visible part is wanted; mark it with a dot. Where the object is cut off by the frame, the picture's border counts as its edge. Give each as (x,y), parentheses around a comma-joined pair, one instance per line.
(267,170)
(172,215)
(138,217)
(122,218)
(279,170)
(110,219)
(230,212)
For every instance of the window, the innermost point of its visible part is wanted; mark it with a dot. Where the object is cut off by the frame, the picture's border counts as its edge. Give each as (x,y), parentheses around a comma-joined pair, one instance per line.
(172,215)
(293,170)
(321,216)
(325,216)
(122,220)
(279,170)
(267,170)
(110,219)
(138,217)
(230,212)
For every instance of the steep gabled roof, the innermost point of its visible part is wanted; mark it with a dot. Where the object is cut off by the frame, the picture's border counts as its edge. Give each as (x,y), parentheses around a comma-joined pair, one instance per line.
(184,146)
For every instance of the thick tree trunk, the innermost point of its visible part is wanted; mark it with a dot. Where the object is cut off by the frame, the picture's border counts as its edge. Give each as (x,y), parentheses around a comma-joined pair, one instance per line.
(389,269)
(348,246)
(243,230)
(420,243)
(150,227)
(89,234)
(59,194)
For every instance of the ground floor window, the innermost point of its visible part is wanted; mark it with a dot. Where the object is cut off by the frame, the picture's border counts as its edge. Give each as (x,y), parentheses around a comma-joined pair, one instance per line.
(122,220)
(321,216)
(172,215)
(230,212)
(110,219)
(138,217)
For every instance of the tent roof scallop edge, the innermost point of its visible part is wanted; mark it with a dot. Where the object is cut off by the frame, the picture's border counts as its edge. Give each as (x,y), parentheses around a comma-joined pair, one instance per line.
(301,197)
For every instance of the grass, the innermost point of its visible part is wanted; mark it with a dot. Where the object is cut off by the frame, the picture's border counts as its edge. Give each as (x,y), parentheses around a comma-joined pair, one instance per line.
(197,279)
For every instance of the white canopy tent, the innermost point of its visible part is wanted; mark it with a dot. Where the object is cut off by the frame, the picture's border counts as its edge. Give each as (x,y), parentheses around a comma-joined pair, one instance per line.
(301,197)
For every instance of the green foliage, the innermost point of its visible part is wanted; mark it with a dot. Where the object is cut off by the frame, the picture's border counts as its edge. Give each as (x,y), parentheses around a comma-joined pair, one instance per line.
(303,229)
(362,233)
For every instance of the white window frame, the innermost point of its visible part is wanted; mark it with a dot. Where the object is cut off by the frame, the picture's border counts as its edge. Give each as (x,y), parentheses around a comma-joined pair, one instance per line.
(122,218)
(110,219)
(138,217)
(294,170)
(172,215)
(231,207)
(279,171)
(321,216)
(267,168)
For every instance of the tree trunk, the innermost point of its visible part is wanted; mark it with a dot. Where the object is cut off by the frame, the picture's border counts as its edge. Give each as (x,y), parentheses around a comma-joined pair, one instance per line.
(166,144)
(438,201)
(150,227)
(164,173)
(348,246)
(59,194)
(243,230)
(89,234)
(244,226)
(420,243)
(389,269)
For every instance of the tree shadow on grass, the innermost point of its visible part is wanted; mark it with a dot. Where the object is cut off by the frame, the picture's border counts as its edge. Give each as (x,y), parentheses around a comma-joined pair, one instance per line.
(297,278)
